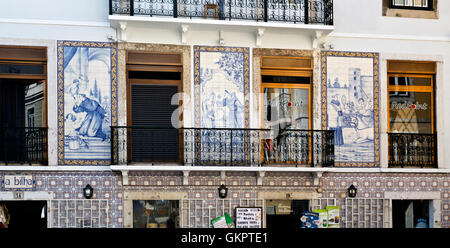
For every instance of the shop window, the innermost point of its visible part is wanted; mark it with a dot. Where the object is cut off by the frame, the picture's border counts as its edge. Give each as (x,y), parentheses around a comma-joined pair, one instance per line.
(411,213)
(156,214)
(285,213)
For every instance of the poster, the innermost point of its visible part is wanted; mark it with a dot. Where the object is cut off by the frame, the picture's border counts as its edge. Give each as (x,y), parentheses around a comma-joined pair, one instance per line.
(224,221)
(248,217)
(309,220)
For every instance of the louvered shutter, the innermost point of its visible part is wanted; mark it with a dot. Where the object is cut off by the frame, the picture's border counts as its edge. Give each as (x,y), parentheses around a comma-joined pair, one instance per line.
(151,107)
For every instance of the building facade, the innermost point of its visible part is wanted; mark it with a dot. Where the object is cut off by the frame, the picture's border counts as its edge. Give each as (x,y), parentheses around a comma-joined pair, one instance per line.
(157,104)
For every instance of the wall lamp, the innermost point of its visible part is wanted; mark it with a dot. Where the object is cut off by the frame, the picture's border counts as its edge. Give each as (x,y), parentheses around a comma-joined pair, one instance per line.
(88,191)
(351,191)
(223,191)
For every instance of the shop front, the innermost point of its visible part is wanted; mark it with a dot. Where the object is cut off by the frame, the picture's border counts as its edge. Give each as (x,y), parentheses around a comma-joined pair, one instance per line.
(23,214)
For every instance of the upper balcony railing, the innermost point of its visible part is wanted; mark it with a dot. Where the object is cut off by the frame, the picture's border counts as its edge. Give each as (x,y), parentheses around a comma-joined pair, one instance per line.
(221,147)
(23,145)
(412,150)
(288,11)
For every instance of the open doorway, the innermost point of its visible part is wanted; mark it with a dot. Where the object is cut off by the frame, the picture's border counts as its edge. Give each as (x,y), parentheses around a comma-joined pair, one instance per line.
(22,121)
(285,213)
(411,213)
(23,214)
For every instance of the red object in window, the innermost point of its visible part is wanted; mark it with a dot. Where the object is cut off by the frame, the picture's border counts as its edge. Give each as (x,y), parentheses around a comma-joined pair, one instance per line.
(269,145)
(413,106)
(289,104)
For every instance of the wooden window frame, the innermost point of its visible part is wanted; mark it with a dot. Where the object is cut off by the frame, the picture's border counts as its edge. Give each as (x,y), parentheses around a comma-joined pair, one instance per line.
(412,88)
(287,71)
(22,59)
(154,68)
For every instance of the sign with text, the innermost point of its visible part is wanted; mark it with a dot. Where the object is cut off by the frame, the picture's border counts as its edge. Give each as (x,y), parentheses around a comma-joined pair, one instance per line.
(18,182)
(248,217)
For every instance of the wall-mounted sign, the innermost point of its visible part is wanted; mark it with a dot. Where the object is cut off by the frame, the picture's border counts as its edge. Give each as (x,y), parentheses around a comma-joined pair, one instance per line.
(18,182)
(248,217)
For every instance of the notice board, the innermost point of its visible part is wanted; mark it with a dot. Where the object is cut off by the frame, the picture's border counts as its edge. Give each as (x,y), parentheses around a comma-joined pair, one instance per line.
(248,217)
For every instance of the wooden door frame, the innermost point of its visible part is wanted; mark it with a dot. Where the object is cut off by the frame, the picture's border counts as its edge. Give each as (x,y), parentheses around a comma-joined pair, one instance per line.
(287,86)
(155,82)
(23,60)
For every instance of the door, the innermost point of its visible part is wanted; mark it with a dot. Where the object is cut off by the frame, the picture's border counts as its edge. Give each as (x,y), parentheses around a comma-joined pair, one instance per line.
(24,214)
(287,113)
(285,213)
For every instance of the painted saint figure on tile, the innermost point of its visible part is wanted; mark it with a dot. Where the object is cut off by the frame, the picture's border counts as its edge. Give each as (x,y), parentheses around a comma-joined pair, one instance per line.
(87,101)
(223,88)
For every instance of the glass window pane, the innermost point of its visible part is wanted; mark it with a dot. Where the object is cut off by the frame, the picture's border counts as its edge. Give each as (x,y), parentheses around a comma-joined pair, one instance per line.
(410,81)
(410,112)
(287,108)
(155,214)
(21,69)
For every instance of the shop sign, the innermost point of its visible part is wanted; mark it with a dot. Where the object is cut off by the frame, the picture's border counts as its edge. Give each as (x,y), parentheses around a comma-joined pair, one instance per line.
(248,217)
(18,182)
(409,105)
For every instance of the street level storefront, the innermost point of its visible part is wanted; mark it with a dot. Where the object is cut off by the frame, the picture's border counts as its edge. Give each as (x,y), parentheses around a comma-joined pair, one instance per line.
(158,199)
(60,199)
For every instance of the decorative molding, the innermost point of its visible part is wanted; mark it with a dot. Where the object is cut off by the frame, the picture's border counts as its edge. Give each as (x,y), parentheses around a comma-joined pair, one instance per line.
(123,31)
(221,37)
(259,36)
(316,39)
(389,37)
(316,178)
(259,177)
(186,177)
(124,177)
(184,29)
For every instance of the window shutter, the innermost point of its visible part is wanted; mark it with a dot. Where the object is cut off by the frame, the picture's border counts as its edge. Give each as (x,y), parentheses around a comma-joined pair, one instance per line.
(151,107)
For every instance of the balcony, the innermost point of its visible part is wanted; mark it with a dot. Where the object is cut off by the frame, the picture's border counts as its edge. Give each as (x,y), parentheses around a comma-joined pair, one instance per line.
(23,145)
(412,150)
(221,147)
(286,11)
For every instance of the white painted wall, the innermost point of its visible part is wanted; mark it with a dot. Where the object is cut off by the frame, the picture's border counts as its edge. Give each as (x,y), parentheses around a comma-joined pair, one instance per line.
(60,10)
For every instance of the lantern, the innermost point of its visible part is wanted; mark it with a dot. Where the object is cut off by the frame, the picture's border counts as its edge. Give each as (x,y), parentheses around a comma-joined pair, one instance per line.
(223,191)
(88,191)
(351,191)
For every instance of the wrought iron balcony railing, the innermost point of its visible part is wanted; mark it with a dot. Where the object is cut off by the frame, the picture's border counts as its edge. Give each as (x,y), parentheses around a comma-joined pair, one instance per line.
(295,11)
(412,150)
(23,145)
(221,146)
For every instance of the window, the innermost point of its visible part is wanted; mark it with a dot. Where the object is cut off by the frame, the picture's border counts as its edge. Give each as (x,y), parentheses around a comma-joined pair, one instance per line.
(427,9)
(286,89)
(411,213)
(412,4)
(31,117)
(156,214)
(411,123)
(411,97)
